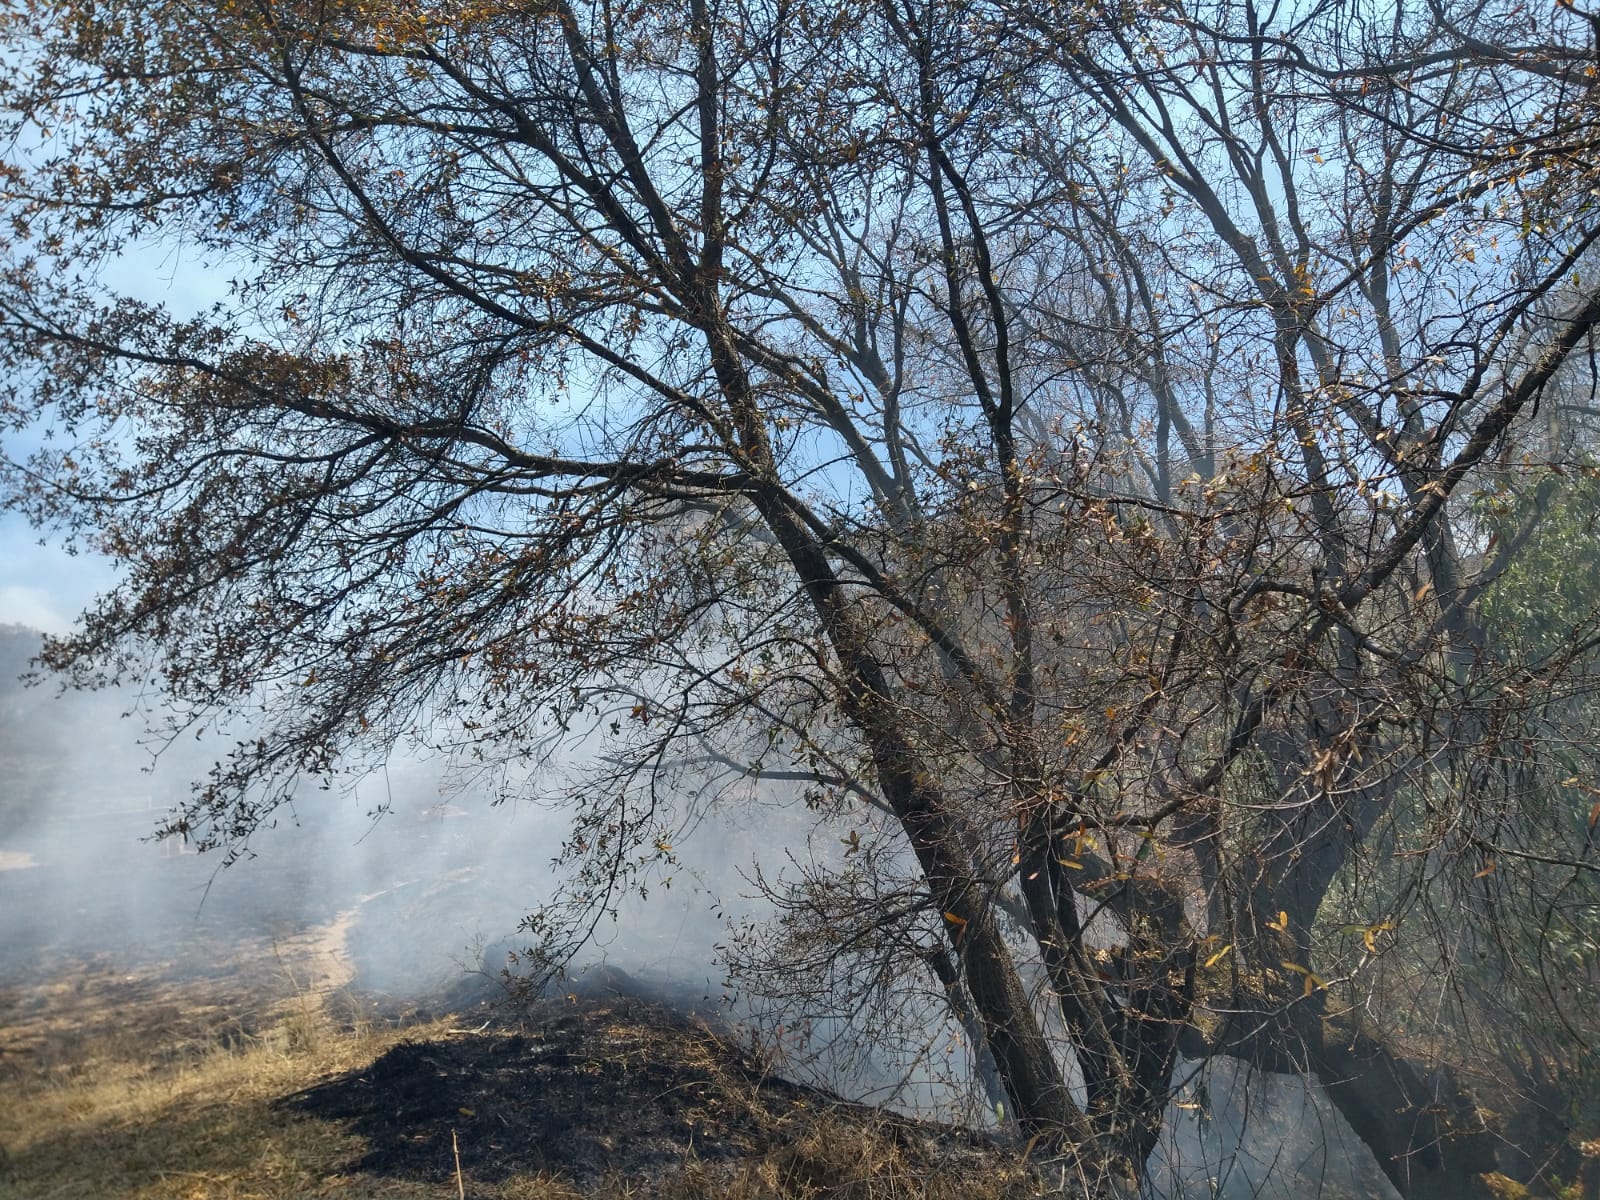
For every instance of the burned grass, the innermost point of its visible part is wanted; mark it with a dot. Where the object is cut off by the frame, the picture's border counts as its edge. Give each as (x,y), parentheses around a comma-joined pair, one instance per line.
(271,1081)
(583,1093)
(592,1091)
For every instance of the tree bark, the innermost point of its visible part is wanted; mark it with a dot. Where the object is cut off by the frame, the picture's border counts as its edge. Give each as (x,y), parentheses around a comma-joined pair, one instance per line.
(1033,1078)
(1421,1125)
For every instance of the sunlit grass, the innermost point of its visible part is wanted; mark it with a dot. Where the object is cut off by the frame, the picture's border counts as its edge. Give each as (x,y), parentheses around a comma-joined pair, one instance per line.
(120,1085)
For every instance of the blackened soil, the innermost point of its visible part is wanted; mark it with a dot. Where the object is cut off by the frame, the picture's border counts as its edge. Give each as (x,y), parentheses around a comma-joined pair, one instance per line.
(581,1090)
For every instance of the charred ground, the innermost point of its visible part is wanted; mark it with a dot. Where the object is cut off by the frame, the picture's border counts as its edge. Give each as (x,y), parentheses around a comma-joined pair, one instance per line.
(229,1052)
(589,1090)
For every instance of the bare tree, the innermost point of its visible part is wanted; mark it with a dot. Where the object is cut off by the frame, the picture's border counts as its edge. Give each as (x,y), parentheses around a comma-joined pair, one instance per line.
(1049,434)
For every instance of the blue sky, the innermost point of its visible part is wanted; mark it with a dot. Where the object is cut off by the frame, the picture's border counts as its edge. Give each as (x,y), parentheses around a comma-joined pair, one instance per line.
(41,585)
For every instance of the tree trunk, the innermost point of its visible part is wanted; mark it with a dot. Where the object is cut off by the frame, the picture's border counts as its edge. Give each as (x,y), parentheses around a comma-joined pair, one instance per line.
(1021,1052)
(1422,1127)
(1027,1065)
(1420,1124)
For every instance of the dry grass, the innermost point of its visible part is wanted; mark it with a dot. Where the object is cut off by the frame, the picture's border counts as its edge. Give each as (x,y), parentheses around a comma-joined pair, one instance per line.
(846,1159)
(136,1085)
(155,1085)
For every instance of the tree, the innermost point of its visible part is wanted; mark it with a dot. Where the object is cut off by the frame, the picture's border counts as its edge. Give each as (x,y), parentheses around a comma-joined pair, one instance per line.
(1045,432)
(1530,940)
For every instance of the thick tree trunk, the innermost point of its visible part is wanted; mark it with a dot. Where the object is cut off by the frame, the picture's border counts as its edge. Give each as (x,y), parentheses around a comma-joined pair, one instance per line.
(1021,1052)
(1033,1078)
(1420,1124)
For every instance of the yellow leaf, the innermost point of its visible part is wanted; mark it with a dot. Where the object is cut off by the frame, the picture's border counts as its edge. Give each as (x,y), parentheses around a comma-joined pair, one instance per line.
(1217,957)
(1281,924)
(1487,870)
(1313,982)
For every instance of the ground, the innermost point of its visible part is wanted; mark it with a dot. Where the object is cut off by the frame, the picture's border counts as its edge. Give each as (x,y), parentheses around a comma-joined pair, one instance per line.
(255,1070)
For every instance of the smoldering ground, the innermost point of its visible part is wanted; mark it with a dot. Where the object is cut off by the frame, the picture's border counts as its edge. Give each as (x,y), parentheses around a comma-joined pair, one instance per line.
(432,879)
(435,887)
(432,895)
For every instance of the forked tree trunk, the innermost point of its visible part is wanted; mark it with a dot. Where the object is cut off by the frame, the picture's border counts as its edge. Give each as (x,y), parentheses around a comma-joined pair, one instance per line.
(1023,1056)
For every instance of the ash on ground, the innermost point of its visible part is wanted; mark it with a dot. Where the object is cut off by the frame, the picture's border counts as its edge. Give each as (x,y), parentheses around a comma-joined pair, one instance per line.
(586,1089)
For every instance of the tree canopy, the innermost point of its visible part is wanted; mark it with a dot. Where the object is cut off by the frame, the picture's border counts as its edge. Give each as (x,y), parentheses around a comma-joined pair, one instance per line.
(1086,448)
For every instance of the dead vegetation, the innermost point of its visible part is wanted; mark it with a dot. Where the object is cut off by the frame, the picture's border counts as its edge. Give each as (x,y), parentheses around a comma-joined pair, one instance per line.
(272,1081)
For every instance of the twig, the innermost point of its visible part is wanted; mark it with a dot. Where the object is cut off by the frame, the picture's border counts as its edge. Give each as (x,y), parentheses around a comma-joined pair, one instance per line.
(461,1185)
